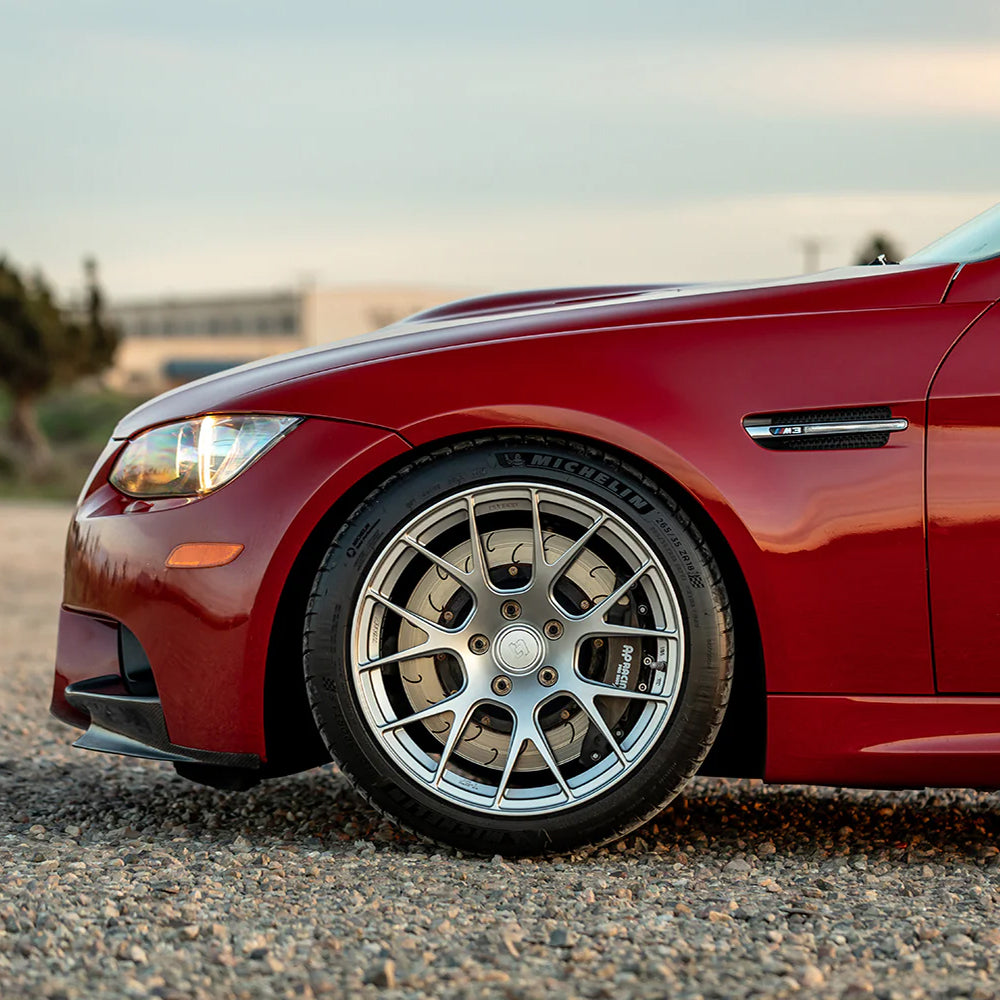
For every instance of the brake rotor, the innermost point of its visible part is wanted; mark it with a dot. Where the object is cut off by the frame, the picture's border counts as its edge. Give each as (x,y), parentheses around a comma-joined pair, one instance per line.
(427,680)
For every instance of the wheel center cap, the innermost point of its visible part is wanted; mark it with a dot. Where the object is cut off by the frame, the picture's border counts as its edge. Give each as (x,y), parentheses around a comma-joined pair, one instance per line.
(518,649)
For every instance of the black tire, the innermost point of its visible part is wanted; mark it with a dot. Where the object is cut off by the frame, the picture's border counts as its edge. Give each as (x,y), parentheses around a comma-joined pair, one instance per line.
(702,690)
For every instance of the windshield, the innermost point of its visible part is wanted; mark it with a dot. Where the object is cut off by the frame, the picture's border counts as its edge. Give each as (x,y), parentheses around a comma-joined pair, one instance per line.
(977,239)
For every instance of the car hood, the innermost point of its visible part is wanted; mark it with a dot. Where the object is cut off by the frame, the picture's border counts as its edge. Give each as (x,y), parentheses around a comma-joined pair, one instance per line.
(525,314)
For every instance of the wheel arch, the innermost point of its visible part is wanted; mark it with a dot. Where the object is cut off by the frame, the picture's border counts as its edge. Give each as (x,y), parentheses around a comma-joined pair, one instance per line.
(292,739)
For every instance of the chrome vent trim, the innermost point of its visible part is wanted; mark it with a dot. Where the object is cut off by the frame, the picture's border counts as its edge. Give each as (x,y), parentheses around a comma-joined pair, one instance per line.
(821,430)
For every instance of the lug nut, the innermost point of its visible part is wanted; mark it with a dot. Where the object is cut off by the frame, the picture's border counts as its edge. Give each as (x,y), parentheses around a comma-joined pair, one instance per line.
(598,644)
(554,629)
(501,685)
(512,570)
(547,676)
(510,610)
(479,644)
(584,604)
(448,616)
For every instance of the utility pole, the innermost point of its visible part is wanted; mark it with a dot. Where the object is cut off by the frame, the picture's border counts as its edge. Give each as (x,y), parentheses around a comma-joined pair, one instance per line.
(811,246)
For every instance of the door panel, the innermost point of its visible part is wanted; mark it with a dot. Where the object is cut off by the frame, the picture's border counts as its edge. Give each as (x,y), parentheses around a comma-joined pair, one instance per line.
(963,512)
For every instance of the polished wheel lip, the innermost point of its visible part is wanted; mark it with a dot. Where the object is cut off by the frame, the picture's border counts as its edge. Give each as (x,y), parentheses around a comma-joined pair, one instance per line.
(529,700)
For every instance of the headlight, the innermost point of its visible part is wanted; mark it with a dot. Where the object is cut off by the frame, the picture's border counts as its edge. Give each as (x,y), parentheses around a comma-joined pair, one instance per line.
(197,456)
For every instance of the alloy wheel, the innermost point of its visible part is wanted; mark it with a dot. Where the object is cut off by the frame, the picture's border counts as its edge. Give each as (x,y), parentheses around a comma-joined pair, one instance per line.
(517,648)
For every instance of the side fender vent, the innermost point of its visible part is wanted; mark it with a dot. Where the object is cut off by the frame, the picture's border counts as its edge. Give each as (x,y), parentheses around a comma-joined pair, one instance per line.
(822,430)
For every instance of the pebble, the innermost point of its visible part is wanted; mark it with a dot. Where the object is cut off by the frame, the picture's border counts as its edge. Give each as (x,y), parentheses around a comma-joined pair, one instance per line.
(119,879)
(383,974)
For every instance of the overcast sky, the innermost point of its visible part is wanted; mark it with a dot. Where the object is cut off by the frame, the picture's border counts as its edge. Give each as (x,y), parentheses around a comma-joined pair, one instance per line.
(238,144)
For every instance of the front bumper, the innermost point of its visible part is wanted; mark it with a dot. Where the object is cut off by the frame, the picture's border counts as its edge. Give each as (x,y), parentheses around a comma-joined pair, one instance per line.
(133,725)
(206,632)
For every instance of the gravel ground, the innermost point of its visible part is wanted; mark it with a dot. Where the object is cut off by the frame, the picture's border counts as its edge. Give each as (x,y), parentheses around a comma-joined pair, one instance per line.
(117,878)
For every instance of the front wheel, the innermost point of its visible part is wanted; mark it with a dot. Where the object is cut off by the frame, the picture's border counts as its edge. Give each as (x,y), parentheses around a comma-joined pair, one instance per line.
(518,646)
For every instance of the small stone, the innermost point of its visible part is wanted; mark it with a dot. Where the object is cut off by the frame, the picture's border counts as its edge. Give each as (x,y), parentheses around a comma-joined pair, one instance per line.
(382,974)
(562,937)
(508,943)
(739,865)
(857,991)
(811,977)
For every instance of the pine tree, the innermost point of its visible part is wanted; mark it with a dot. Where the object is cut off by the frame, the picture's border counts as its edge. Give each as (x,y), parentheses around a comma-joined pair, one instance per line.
(41,347)
(879,245)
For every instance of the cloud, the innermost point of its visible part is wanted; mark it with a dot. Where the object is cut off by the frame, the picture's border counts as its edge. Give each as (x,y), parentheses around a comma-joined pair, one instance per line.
(857,80)
(759,78)
(691,240)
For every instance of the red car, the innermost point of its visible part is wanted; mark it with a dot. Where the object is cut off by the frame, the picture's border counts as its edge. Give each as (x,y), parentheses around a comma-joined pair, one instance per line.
(521,565)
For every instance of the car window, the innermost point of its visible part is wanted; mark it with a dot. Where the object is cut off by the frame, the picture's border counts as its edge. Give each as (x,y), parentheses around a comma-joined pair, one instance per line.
(977,239)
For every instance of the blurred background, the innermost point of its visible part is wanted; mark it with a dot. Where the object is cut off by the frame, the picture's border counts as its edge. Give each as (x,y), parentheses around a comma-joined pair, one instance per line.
(192,185)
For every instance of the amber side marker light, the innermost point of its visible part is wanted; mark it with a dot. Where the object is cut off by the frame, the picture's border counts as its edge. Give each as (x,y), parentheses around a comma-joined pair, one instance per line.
(200,555)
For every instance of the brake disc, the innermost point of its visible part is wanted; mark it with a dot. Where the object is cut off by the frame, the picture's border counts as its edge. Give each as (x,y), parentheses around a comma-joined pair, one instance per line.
(427,680)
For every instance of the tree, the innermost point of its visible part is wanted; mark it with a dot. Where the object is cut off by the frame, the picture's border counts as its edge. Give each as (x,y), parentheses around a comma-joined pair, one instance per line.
(42,346)
(879,245)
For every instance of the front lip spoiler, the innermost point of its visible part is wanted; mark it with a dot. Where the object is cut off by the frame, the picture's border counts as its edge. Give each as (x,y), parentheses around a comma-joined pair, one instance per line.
(133,725)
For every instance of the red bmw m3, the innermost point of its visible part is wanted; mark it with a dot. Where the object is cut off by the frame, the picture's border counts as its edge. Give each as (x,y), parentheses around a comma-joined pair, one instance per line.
(523,564)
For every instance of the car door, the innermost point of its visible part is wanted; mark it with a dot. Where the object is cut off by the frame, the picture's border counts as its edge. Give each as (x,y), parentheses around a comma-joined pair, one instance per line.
(963,495)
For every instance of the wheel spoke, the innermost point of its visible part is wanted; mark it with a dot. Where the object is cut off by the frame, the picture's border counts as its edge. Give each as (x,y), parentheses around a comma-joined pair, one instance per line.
(589,705)
(412,653)
(450,568)
(636,631)
(432,629)
(556,569)
(514,749)
(609,601)
(457,703)
(479,567)
(537,737)
(539,565)
(460,721)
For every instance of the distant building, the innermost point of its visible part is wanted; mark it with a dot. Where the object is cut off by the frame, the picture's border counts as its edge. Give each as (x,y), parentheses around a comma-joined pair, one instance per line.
(167,341)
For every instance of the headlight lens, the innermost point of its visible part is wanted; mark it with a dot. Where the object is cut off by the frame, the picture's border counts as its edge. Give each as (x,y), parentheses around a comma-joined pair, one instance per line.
(197,456)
